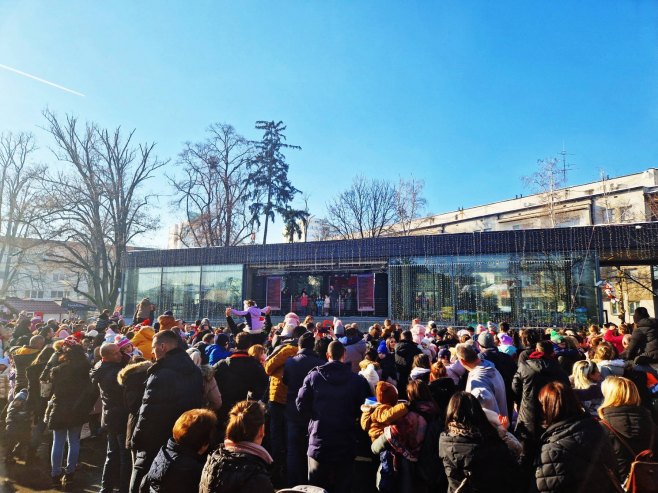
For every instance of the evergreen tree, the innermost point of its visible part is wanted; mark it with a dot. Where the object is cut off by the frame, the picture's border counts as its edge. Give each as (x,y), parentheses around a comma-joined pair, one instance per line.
(273,191)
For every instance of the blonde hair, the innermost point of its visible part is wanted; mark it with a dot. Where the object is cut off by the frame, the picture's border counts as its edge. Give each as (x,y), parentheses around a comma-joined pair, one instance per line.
(581,372)
(256,351)
(618,391)
(604,351)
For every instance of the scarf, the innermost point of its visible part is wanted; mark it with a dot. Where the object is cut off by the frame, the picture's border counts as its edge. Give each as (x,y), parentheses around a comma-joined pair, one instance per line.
(459,430)
(248,448)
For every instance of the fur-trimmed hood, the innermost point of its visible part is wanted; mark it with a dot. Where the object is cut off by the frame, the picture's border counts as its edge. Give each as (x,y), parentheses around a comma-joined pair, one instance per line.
(208,372)
(141,367)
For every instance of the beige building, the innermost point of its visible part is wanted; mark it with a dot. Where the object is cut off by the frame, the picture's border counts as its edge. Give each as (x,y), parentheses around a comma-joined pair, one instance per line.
(626,199)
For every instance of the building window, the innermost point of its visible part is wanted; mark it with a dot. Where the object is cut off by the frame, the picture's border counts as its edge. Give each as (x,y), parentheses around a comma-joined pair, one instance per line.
(57,294)
(609,216)
(626,214)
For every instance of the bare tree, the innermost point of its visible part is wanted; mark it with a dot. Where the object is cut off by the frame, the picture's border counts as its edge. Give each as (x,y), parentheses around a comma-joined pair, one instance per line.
(548,181)
(96,203)
(214,191)
(366,210)
(20,214)
(409,203)
(322,231)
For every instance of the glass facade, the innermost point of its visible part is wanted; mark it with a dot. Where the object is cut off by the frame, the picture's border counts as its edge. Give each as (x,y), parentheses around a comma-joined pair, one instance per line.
(191,292)
(529,290)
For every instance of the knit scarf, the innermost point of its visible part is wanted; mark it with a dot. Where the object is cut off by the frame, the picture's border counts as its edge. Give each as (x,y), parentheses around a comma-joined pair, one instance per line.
(248,448)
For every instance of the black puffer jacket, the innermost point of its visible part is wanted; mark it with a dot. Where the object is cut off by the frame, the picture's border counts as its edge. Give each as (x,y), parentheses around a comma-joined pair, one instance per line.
(174,385)
(644,340)
(404,357)
(35,402)
(72,398)
(635,425)
(133,380)
(488,464)
(573,458)
(176,469)
(115,414)
(237,376)
(530,377)
(235,472)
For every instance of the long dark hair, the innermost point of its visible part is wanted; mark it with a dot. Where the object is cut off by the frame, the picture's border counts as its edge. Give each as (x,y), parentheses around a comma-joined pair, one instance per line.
(465,410)
(74,355)
(558,402)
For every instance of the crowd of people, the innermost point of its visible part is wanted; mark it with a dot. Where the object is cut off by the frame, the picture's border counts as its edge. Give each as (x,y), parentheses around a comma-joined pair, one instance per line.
(258,407)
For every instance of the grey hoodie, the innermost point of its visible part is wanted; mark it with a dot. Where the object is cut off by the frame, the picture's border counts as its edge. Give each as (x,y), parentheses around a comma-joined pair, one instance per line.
(487,385)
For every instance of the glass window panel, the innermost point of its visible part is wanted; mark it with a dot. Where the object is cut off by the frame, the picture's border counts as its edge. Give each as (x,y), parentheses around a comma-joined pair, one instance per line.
(534,290)
(180,292)
(221,286)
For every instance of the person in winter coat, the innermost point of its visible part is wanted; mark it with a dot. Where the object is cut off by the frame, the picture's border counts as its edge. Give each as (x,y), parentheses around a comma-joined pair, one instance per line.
(504,363)
(254,316)
(539,368)
(274,365)
(174,385)
(402,446)
(240,464)
(484,381)
(441,386)
(574,452)
(142,341)
(37,403)
(17,427)
(355,348)
(212,399)
(332,395)
(23,357)
(386,356)
(473,455)
(238,377)
(628,424)
(606,361)
(586,382)
(644,339)
(386,412)
(177,467)
(219,350)
(114,418)
(143,311)
(72,399)
(405,351)
(295,371)
(133,383)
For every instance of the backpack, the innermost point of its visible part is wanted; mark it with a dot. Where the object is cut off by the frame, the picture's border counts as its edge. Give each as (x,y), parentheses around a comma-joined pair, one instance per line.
(643,476)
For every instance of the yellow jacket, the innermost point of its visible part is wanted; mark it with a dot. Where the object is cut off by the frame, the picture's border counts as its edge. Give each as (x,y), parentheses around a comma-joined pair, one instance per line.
(274,368)
(142,341)
(375,419)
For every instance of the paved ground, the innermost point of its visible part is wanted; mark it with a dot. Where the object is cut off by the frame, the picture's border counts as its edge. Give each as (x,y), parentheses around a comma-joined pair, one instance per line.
(23,478)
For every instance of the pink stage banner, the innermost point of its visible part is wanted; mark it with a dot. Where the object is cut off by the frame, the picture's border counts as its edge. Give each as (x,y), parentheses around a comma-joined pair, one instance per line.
(365,291)
(273,295)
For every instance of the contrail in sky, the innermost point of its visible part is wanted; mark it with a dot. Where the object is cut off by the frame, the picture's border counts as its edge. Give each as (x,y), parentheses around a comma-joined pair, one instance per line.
(25,74)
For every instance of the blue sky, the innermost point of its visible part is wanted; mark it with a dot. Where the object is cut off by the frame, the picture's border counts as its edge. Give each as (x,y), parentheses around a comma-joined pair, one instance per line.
(463,95)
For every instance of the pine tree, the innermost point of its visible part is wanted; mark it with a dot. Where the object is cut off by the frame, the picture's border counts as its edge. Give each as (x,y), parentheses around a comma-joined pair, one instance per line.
(273,191)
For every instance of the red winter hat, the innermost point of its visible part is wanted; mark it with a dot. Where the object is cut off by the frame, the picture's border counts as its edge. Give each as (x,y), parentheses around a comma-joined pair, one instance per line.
(386,393)
(71,341)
